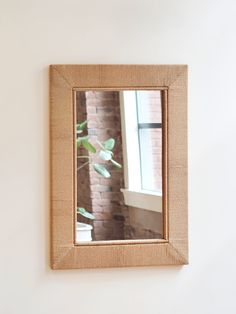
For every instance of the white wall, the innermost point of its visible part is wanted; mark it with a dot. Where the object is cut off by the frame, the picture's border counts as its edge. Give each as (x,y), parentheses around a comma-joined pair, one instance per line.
(34,34)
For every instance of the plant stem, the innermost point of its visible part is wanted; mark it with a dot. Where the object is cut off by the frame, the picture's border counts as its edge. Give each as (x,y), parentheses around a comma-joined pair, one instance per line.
(87,162)
(83,157)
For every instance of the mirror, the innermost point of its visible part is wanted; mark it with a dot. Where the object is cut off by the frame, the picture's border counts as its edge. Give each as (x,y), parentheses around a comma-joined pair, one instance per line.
(119,165)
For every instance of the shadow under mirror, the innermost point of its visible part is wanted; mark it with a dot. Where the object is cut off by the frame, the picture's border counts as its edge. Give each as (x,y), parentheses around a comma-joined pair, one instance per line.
(119,165)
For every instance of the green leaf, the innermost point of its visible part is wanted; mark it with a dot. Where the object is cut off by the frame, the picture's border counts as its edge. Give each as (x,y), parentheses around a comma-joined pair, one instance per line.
(88,146)
(101,170)
(80,139)
(115,163)
(82,211)
(109,144)
(105,155)
(81,126)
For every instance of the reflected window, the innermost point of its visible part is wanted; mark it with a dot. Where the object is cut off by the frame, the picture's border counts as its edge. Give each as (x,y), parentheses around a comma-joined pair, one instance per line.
(150,139)
(142,136)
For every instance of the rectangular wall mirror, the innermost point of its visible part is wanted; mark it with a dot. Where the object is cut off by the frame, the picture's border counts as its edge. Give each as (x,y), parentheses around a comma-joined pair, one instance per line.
(118,165)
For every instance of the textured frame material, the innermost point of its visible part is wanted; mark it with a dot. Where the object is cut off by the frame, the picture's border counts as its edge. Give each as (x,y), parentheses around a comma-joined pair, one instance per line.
(173,249)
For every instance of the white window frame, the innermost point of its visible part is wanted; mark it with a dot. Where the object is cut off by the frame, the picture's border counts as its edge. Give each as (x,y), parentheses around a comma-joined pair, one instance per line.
(133,193)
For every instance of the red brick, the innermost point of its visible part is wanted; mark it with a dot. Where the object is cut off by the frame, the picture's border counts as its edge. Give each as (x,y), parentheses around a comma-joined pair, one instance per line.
(100,188)
(103,216)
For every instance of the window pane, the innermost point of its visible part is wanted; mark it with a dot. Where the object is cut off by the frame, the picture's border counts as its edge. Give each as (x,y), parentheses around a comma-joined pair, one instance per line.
(151,163)
(150,139)
(149,106)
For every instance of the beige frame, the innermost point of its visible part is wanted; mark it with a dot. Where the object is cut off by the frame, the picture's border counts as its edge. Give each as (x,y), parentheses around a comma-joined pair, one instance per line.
(173,249)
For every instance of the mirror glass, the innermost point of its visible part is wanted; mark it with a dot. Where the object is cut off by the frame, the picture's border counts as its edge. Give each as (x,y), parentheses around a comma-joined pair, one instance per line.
(119,165)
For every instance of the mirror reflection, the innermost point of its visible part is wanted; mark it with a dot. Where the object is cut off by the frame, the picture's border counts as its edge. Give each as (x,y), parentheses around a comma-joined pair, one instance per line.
(119,165)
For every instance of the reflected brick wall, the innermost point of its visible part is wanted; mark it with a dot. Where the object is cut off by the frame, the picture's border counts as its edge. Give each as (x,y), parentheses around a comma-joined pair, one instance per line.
(102,196)
(83,179)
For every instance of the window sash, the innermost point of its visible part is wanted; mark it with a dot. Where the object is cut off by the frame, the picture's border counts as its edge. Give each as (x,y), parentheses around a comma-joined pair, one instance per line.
(136,145)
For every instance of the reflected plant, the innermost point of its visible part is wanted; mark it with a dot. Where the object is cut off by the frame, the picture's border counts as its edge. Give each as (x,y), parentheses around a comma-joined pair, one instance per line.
(105,153)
